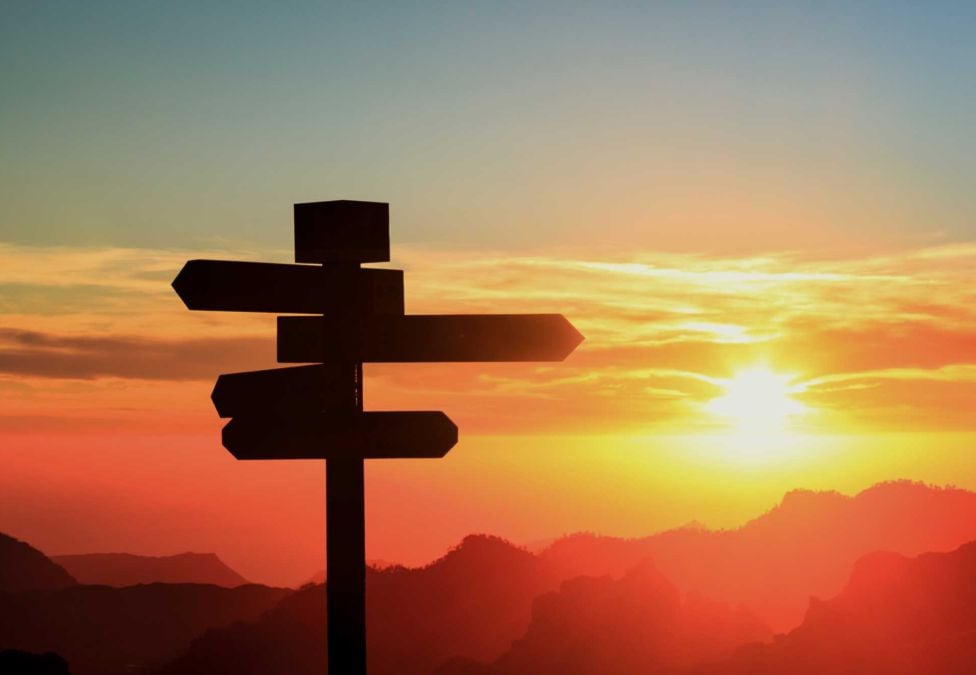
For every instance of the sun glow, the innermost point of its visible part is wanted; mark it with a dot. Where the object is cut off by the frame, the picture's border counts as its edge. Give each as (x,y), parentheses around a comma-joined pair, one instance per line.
(759,405)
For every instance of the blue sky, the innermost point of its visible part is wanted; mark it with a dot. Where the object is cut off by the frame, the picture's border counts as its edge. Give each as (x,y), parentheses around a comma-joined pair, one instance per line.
(763,125)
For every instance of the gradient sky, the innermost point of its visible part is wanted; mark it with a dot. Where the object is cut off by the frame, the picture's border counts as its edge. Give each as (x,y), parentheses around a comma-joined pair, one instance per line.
(702,189)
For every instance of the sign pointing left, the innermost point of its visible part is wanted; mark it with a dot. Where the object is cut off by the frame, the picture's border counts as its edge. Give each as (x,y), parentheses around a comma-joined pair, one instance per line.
(230,286)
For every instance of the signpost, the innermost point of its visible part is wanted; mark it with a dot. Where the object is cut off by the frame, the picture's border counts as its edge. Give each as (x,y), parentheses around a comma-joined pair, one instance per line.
(316,411)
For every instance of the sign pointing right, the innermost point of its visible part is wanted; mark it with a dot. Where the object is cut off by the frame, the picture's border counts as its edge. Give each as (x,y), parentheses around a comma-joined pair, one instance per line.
(426,338)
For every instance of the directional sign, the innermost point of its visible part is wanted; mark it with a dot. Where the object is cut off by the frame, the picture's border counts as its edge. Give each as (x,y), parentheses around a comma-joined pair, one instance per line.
(316,411)
(282,391)
(368,435)
(342,231)
(221,285)
(436,337)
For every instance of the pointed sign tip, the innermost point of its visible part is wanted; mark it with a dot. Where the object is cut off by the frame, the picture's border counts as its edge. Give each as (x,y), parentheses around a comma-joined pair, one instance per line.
(181,283)
(574,338)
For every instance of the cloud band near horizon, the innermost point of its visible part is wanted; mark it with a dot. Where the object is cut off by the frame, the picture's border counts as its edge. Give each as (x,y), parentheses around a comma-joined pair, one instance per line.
(885,341)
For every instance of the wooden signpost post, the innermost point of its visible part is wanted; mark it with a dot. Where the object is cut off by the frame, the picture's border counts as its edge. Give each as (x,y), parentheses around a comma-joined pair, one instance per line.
(316,411)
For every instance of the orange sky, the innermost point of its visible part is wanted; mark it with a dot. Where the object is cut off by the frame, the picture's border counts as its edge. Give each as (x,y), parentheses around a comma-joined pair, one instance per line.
(110,441)
(743,206)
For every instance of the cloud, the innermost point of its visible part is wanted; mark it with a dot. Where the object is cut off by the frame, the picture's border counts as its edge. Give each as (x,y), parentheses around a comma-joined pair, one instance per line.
(36,354)
(661,329)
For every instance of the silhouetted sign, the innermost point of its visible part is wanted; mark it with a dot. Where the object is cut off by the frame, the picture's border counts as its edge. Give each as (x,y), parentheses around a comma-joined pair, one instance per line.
(229,286)
(419,338)
(369,435)
(316,411)
(285,391)
(342,231)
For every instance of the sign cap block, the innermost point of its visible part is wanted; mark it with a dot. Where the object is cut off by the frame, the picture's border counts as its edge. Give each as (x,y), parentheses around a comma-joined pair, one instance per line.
(342,231)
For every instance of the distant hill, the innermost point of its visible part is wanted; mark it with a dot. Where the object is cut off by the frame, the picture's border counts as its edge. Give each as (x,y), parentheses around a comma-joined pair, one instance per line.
(804,546)
(125,569)
(896,616)
(24,568)
(101,630)
(472,602)
(604,626)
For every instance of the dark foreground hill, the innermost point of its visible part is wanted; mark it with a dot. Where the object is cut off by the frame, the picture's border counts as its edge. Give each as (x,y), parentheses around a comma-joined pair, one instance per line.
(101,630)
(637,624)
(804,546)
(469,607)
(15,662)
(24,568)
(126,569)
(896,616)
(472,602)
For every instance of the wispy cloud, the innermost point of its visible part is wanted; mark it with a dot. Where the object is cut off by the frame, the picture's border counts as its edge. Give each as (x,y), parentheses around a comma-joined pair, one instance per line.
(661,329)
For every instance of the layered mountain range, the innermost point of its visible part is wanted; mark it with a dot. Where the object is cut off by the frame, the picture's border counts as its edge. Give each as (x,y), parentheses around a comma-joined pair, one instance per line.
(891,566)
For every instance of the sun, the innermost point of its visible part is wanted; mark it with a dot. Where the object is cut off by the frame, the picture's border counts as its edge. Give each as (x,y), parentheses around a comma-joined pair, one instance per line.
(758,401)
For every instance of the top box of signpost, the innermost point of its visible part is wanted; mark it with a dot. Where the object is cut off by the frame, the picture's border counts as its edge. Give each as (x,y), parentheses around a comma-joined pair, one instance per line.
(342,231)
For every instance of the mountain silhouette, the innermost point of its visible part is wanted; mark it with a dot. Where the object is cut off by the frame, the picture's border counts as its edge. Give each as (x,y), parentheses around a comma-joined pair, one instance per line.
(375,563)
(472,602)
(126,569)
(15,662)
(101,630)
(804,546)
(24,568)
(666,603)
(604,626)
(896,616)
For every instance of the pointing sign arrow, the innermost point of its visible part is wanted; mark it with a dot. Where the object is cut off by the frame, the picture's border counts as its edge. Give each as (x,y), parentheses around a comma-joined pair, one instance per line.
(369,435)
(282,391)
(421,338)
(230,286)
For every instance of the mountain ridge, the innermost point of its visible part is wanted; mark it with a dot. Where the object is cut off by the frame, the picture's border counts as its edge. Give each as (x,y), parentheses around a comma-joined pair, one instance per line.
(897,615)
(24,568)
(804,545)
(127,569)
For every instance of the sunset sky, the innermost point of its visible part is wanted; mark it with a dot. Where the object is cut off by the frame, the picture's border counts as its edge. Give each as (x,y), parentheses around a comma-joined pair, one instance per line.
(761,218)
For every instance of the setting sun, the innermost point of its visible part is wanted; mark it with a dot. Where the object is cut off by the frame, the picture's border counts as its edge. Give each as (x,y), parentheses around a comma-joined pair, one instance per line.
(758,401)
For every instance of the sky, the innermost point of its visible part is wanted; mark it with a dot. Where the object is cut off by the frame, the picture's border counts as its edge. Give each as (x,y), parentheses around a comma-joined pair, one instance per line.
(760,216)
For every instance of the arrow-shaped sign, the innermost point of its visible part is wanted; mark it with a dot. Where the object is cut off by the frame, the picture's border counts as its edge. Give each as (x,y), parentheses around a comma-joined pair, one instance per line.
(368,435)
(279,391)
(435,337)
(230,286)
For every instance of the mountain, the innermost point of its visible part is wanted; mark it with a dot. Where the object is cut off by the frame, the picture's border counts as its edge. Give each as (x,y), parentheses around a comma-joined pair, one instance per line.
(637,624)
(472,602)
(804,546)
(24,568)
(101,630)
(14,662)
(375,563)
(125,569)
(896,616)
